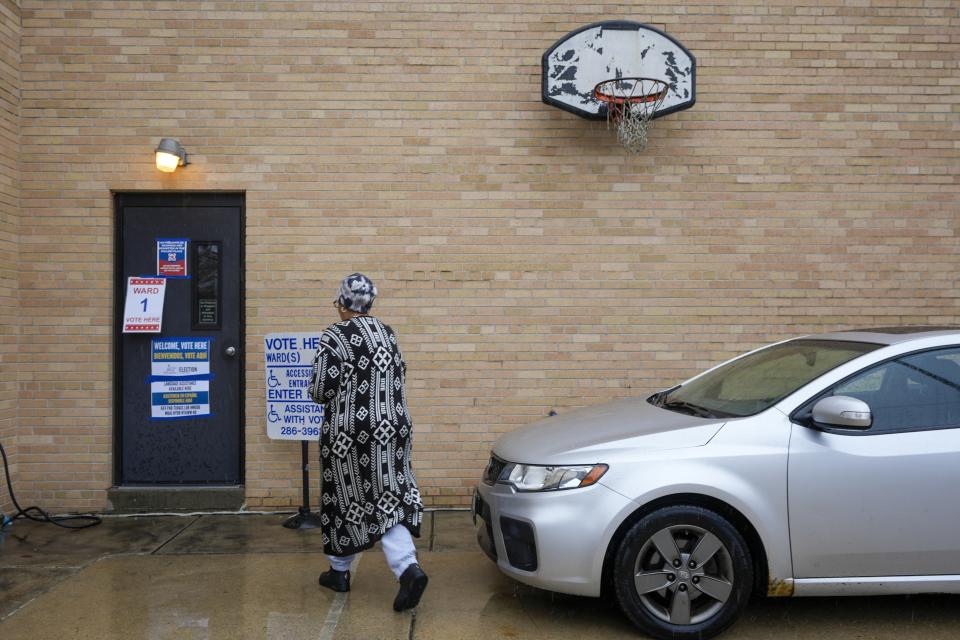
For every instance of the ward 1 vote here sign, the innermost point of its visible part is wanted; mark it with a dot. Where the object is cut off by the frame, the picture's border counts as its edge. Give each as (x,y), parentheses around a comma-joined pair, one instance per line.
(291,414)
(143,310)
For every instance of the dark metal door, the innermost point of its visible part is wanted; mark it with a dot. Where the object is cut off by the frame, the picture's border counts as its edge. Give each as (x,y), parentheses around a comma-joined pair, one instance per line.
(208,303)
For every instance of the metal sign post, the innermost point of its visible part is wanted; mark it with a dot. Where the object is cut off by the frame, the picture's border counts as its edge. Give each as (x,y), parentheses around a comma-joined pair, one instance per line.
(291,414)
(305,519)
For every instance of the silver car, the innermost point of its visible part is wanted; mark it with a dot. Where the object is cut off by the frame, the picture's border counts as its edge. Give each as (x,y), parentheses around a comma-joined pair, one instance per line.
(823,465)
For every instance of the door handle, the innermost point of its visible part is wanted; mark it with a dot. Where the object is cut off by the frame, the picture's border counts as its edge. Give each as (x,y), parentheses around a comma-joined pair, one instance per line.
(230,352)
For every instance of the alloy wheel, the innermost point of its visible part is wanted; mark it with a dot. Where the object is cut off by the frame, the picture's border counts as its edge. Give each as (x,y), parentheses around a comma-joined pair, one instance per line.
(683,574)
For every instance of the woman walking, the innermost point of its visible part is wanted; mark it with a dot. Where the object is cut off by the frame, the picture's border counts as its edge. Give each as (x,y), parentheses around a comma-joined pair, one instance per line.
(369,492)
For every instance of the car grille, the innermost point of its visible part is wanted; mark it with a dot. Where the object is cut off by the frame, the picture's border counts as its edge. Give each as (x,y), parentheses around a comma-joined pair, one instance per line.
(492,472)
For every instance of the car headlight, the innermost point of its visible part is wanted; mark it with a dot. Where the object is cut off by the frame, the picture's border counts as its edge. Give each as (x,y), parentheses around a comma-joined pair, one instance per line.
(529,477)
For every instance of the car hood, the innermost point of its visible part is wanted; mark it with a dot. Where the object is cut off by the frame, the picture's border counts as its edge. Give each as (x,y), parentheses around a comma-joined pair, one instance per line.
(594,434)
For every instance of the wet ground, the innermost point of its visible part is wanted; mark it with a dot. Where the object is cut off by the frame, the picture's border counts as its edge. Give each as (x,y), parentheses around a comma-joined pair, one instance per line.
(244,576)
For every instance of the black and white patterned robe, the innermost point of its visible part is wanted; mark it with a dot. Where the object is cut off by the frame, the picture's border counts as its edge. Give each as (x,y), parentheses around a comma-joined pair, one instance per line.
(366,440)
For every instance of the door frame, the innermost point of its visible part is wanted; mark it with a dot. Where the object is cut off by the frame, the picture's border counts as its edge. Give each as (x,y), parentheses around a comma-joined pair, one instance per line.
(172,199)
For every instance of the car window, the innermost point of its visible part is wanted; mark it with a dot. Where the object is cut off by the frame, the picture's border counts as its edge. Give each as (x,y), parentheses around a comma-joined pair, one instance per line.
(917,392)
(866,384)
(756,382)
(769,379)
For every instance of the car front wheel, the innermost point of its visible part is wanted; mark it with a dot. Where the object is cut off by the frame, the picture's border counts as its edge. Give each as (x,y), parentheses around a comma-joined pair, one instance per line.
(683,572)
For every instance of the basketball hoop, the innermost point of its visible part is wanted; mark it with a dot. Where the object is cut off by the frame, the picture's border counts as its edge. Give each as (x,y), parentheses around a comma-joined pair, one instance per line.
(631,104)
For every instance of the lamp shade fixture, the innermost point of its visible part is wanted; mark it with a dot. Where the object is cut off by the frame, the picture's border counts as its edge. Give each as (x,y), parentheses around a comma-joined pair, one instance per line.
(170,155)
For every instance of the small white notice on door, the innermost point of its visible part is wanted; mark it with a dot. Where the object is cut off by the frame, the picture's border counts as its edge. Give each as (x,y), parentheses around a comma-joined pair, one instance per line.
(143,310)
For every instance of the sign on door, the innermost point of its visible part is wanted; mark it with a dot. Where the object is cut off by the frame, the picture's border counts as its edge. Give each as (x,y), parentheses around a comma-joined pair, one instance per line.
(143,310)
(180,378)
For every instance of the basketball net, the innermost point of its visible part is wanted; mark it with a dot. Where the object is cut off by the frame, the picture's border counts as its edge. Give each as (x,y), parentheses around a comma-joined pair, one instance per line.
(631,105)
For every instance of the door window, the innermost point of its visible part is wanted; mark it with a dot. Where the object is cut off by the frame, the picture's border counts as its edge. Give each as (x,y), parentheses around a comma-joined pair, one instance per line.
(916,392)
(206,290)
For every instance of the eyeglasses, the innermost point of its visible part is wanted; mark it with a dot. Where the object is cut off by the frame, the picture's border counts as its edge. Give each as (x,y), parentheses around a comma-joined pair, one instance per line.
(342,309)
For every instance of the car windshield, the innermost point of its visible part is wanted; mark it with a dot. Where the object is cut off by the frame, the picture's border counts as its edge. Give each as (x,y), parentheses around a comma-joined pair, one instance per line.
(758,381)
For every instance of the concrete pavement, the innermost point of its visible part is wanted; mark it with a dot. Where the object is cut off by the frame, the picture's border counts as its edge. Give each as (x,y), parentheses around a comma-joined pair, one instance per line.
(244,576)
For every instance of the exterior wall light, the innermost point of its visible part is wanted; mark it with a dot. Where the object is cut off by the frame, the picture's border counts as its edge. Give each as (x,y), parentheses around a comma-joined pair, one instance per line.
(170,155)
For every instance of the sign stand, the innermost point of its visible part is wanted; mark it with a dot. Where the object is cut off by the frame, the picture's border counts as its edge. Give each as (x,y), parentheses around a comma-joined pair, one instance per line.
(305,519)
(291,413)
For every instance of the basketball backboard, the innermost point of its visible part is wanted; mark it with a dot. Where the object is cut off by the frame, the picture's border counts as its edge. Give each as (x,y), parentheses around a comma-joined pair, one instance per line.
(574,65)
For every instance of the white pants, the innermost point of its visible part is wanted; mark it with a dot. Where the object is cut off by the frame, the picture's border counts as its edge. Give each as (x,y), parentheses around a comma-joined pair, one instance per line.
(397,546)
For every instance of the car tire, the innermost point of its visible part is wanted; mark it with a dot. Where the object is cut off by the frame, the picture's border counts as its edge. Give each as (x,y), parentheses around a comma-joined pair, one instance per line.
(699,597)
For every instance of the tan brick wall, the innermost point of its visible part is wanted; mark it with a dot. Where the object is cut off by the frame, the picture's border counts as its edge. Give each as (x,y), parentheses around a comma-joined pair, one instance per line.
(526,262)
(9,220)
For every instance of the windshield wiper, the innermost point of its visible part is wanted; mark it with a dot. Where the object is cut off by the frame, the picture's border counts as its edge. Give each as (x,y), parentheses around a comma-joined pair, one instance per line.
(689,408)
(658,398)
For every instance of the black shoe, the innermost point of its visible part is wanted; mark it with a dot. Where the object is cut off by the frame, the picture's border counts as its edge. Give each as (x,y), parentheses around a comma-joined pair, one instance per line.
(338,581)
(413,583)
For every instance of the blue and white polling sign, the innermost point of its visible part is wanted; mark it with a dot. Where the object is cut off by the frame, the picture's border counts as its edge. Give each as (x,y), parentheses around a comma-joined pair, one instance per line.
(291,414)
(174,357)
(179,378)
(177,399)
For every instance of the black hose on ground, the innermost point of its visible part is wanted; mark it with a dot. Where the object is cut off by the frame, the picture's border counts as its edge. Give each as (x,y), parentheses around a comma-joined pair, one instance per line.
(39,515)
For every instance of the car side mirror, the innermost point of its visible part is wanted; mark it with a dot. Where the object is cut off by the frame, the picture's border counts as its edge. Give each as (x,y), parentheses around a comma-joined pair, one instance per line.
(843,412)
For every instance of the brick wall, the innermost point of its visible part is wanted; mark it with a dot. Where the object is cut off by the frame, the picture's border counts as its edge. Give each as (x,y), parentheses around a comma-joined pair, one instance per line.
(526,262)
(9,219)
